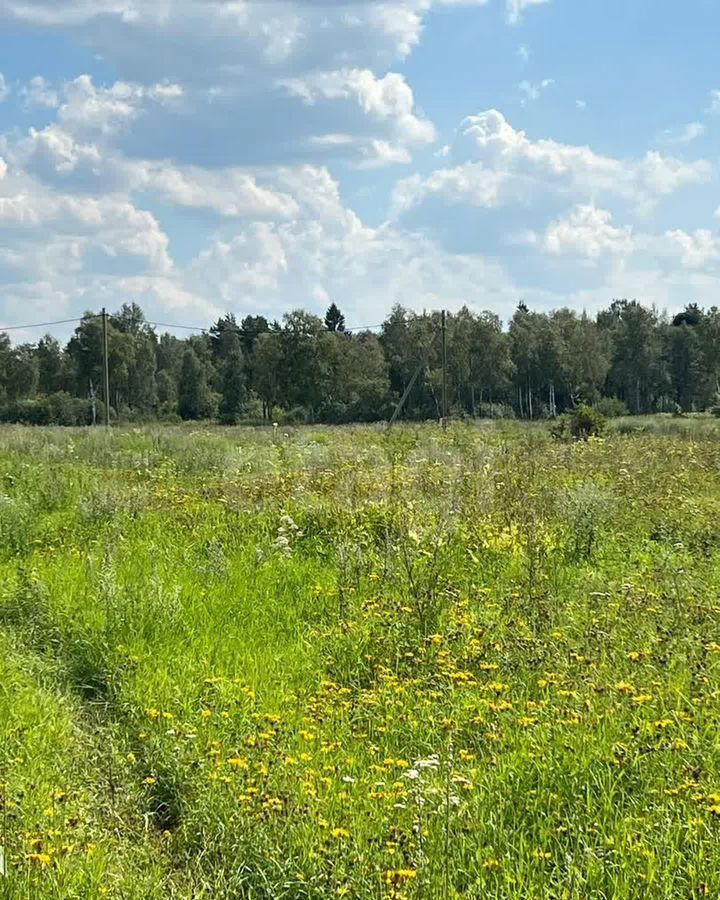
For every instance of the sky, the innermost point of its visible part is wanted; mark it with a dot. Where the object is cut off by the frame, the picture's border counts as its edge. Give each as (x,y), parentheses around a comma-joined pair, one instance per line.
(253,156)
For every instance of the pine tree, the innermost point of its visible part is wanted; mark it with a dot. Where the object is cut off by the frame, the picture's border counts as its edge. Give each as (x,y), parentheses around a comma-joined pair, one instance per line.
(334,319)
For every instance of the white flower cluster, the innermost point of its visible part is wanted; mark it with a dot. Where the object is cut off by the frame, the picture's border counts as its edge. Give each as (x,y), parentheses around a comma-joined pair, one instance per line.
(287,533)
(420,765)
(422,772)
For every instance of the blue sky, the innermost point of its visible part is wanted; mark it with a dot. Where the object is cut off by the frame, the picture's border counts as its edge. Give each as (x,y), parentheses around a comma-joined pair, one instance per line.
(204,156)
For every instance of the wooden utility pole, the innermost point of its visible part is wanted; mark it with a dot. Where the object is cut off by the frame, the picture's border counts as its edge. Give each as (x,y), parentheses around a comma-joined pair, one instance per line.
(106,368)
(444,375)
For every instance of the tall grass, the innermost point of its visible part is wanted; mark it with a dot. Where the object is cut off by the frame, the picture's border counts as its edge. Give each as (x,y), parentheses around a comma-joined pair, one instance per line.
(339,662)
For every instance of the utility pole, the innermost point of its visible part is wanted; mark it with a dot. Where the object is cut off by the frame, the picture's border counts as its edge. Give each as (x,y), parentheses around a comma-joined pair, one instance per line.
(444,375)
(106,367)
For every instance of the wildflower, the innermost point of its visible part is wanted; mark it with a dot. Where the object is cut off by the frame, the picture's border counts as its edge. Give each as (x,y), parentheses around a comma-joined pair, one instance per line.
(150,780)
(432,762)
(399,876)
(340,833)
(131,758)
(624,687)
(238,762)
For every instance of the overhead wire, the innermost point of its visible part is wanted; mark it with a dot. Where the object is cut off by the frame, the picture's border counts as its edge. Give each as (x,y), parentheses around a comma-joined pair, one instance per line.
(175,325)
(45,324)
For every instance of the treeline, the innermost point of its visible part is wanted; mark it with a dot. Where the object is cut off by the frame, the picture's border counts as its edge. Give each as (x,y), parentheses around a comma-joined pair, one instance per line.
(629,358)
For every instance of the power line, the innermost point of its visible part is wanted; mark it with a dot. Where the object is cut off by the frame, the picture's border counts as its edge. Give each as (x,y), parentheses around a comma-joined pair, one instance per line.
(154,324)
(45,324)
(169,325)
(239,328)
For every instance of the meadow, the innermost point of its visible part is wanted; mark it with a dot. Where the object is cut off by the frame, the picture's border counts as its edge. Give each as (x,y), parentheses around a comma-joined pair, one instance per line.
(318,663)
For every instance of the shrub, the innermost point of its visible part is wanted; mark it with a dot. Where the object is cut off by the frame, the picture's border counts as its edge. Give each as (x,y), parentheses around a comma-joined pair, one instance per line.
(298,415)
(584,422)
(611,407)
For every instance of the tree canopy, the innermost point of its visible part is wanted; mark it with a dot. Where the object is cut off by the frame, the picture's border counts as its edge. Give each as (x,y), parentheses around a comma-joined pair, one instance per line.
(308,368)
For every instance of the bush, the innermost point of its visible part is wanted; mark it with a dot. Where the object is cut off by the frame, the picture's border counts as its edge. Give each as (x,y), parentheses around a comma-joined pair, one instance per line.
(298,415)
(612,408)
(586,422)
(583,423)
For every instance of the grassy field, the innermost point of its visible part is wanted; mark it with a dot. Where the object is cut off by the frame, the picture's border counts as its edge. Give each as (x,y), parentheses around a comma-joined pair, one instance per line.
(340,663)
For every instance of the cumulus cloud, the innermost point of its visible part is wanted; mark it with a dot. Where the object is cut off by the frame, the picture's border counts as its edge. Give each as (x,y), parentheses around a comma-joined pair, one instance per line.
(684,135)
(696,250)
(39,92)
(314,78)
(107,111)
(498,165)
(43,227)
(388,100)
(279,266)
(531,90)
(586,232)
(515,9)
(69,164)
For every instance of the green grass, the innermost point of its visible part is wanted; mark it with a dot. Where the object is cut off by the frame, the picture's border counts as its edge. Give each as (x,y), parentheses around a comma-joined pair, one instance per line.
(335,662)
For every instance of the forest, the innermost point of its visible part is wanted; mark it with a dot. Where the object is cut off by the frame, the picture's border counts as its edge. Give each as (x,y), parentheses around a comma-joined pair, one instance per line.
(629,359)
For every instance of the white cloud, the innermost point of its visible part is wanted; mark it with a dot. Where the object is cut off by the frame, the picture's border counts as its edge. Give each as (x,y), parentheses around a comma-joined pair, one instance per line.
(498,165)
(685,135)
(714,108)
(107,111)
(589,233)
(377,154)
(39,92)
(389,98)
(46,227)
(278,267)
(229,110)
(516,8)
(586,232)
(696,250)
(4,88)
(581,105)
(531,90)
(230,192)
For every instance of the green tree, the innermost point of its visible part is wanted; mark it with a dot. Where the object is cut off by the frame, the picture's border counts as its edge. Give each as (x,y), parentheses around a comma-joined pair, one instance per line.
(21,372)
(51,368)
(334,319)
(194,398)
(683,355)
(233,382)
(268,365)
(636,353)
